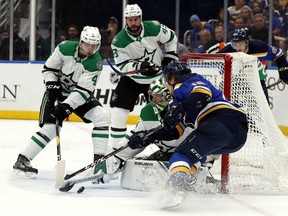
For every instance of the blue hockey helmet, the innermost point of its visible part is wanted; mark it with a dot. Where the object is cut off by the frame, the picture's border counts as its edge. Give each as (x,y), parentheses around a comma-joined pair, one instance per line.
(176,69)
(240,34)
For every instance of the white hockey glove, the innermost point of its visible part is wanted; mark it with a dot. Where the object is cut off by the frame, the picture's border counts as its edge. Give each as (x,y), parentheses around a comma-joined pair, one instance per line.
(114,77)
(109,167)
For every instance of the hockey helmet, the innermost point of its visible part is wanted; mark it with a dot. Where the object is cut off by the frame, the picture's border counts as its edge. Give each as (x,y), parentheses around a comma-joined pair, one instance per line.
(158,87)
(240,35)
(132,10)
(176,69)
(91,35)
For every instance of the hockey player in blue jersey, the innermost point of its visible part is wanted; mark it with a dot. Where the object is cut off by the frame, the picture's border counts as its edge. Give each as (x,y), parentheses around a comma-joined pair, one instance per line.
(240,43)
(219,125)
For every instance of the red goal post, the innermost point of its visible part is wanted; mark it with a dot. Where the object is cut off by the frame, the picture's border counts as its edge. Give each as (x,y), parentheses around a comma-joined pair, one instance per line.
(262,164)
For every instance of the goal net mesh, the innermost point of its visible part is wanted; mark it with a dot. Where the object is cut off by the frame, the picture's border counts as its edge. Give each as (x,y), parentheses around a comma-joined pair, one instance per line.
(262,164)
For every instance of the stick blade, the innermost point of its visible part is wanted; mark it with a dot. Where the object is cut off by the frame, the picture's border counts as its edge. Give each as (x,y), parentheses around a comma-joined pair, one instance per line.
(60,172)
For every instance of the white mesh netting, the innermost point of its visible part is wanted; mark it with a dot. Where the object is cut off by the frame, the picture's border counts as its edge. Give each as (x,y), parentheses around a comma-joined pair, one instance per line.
(262,164)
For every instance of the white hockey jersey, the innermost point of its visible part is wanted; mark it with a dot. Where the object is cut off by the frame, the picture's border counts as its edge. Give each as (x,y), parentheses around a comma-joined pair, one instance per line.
(128,50)
(78,76)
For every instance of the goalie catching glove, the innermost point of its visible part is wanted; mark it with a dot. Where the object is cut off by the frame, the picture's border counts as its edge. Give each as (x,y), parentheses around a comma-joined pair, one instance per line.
(139,140)
(109,167)
(283,73)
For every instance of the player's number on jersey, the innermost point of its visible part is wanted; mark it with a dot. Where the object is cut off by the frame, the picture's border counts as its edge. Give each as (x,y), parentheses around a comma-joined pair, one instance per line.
(94,80)
(115,53)
(164,29)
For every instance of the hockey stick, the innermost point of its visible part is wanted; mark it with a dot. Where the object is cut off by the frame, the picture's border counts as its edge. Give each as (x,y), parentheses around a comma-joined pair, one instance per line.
(129,72)
(274,84)
(68,176)
(60,165)
(69,184)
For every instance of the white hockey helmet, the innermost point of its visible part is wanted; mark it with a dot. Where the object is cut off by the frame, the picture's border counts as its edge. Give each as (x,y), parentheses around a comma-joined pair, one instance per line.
(91,35)
(132,10)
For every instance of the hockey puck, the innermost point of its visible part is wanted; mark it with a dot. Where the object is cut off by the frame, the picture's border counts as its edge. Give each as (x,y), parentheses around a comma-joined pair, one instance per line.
(81,189)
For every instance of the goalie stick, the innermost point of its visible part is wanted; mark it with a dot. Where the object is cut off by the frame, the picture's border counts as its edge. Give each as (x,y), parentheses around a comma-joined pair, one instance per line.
(129,72)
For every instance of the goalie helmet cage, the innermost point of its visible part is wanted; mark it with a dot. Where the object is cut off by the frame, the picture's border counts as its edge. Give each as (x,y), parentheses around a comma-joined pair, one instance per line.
(262,164)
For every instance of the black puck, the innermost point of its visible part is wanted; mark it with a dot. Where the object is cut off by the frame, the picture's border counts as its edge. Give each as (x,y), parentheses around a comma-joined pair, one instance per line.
(81,189)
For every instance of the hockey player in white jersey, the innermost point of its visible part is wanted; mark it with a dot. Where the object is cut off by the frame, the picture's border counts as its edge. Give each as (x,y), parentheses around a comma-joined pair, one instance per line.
(139,45)
(70,75)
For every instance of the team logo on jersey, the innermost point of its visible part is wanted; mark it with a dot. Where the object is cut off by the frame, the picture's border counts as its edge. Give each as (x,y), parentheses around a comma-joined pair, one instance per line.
(155,22)
(147,56)
(99,66)
(67,82)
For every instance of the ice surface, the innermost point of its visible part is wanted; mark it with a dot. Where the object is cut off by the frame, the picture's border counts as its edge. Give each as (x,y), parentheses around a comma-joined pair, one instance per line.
(34,197)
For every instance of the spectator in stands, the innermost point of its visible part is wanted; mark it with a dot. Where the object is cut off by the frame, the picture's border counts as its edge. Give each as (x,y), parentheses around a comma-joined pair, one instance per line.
(234,10)
(39,42)
(256,8)
(4,34)
(262,3)
(247,16)
(260,31)
(18,46)
(107,37)
(72,33)
(46,45)
(197,26)
(230,24)
(205,37)
(277,25)
(278,9)
(238,23)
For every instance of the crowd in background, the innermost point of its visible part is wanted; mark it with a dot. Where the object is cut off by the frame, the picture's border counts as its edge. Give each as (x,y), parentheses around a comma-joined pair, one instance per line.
(253,14)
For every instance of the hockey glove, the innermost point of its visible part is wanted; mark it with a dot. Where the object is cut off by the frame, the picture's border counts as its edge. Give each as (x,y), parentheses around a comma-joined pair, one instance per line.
(54,90)
(150,69)
(168,57)
(139,140)
(114,77)
(61,112)
(173,116)
(283,73)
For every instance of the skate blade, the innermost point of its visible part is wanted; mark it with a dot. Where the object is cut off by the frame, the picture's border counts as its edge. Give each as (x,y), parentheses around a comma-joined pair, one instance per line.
(21,173)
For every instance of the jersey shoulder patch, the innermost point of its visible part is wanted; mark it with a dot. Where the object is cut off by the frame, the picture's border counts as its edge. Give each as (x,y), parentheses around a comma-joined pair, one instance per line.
(68,48)
(151,28)
(93,63)
(121,40)
(147,113)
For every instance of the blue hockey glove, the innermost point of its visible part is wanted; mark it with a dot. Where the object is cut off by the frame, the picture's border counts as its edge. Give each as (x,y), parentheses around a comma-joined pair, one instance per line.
(173,116)
(139,140)
(54,90)
(283,73)
(61,112)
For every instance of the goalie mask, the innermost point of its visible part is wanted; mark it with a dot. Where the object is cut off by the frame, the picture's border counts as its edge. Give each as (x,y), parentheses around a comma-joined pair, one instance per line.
(159,95)
(90,40)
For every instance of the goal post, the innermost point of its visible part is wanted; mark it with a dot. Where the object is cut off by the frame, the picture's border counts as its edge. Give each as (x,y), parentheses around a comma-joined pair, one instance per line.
(262,164)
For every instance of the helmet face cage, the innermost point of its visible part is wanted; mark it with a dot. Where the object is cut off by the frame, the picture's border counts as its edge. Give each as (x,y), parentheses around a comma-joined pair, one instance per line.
(157,87)
(91,35)
(175,69)
(132,10)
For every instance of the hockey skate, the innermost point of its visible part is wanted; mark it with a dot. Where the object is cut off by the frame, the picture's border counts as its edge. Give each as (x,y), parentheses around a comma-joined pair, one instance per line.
(177,188)
(23,166)
(110,167)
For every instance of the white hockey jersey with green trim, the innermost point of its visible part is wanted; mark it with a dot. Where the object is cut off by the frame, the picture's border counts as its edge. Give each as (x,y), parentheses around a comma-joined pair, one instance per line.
(78,76)
(128,50)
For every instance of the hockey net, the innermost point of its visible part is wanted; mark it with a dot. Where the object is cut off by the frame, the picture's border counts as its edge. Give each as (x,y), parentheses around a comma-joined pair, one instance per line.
(262,164)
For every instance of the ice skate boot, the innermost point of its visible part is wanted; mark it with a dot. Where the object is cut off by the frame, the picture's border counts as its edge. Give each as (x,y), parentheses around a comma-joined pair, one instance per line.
(23,165)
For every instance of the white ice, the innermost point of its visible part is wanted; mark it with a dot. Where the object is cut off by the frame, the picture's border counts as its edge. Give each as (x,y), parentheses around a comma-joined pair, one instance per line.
(36,197)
